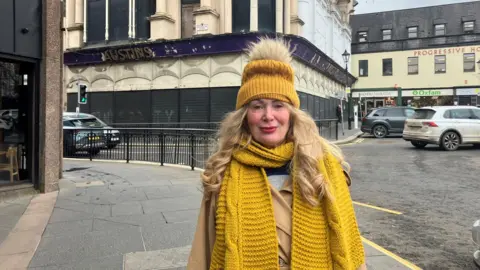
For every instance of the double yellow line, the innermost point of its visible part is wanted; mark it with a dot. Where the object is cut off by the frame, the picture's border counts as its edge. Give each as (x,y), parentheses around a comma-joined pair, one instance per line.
(381,249)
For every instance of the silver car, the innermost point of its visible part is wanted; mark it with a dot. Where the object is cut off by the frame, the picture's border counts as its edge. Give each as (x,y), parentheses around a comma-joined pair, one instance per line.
(476,240)
(386,120)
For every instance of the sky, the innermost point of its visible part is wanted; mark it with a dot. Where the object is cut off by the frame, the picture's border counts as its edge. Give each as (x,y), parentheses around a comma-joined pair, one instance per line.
(369,6)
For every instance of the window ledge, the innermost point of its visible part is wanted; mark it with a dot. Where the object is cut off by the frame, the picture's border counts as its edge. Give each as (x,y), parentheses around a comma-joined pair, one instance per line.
(206,10)
(162,16)
(75,27)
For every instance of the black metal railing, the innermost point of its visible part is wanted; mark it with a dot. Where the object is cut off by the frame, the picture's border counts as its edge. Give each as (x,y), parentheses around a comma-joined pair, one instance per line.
(183,146)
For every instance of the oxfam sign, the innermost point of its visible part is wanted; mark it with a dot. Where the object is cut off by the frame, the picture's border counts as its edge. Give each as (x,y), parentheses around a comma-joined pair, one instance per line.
(427,93)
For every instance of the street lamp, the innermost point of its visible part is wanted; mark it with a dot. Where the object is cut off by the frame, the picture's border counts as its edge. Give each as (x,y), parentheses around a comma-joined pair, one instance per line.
(346,58)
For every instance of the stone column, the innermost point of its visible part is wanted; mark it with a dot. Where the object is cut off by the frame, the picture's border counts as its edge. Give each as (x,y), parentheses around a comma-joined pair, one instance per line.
(207,18)
(253,15)
(295,22)
(286,17)
(50,109)
(279,16)
(162,23)
(78,11)
(227,16)
(70,12)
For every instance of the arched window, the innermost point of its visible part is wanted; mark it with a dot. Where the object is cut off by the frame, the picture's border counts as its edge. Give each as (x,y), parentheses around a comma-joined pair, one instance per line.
(240,16)
(266,15)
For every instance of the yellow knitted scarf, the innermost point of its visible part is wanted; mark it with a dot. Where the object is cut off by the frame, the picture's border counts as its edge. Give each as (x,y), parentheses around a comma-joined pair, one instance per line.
(323,237)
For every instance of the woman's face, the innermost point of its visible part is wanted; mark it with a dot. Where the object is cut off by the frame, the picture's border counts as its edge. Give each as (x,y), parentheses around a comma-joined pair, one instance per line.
(268,121)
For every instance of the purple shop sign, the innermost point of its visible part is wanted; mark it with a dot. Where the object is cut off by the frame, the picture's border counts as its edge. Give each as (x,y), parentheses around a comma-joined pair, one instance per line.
(304,51)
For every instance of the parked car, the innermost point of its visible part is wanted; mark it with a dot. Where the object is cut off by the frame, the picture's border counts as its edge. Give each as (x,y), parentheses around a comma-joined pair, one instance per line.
(476,240)
(386,120)
(112,136)
(446,126)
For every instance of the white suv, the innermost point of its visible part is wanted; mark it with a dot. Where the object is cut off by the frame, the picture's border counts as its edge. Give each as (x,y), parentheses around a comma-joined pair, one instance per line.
(447,126)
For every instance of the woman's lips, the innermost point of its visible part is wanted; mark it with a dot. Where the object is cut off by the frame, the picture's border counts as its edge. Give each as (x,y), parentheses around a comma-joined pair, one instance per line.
(268,129)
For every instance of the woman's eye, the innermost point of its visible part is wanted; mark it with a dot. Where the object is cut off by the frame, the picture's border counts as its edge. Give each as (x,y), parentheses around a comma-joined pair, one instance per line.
(278,105)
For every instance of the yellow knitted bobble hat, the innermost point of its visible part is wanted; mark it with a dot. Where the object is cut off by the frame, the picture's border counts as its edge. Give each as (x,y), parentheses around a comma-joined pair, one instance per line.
(268,74)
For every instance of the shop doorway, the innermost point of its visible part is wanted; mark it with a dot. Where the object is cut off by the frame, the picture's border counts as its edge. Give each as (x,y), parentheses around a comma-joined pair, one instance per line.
(17,113)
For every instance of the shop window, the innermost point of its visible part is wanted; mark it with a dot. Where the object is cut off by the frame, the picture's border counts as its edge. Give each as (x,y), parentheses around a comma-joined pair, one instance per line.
(387,34)
(96,20)
(440,64)
(440,29)
(362,37)
(468,62)
(412,65)
(188,20)
(266,15)
(118,24)
(387,67)
(363,68)
(468,27)
(412,32)
(240,16)
(143,10)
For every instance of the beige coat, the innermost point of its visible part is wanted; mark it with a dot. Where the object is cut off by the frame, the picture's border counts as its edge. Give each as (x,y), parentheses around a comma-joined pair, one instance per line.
(204,237)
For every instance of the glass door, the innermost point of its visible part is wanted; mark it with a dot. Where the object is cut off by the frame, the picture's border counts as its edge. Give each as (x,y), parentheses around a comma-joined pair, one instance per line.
(379,103)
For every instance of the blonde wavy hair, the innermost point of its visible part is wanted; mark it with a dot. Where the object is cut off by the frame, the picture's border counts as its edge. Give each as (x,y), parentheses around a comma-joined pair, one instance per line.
(309,147)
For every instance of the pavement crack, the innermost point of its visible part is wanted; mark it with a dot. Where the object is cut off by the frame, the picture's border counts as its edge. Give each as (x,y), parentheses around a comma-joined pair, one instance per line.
(143,239)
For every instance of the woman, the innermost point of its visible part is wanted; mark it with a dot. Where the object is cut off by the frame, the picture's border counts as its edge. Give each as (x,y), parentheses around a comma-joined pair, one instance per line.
(275,195)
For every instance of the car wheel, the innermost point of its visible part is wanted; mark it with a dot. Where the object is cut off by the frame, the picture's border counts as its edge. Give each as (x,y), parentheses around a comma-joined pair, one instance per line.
(418,144)
(380,131)
(450,141)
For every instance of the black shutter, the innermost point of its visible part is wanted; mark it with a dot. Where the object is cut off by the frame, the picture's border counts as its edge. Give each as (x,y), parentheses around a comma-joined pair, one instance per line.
(72,101)
(165,106)
(317,108)
(194,105)
(132,107)
(323,106)
(311,103)
(303,101)
(222,101)
(101,105)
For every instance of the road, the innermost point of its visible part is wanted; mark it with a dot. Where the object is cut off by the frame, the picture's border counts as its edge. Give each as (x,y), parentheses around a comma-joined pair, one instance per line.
(435,192)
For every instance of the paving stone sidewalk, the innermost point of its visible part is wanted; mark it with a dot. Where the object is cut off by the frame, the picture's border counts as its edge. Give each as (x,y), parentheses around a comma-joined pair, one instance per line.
(129,216)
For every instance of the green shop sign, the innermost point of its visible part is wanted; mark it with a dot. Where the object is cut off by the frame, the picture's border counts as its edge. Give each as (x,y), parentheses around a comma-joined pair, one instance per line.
(427,93)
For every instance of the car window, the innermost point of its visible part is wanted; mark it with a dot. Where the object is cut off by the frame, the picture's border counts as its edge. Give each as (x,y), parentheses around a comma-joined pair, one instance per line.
(395,112)
(68,124)
(459,114)
(409,112)
(88,123)
(423,114)
(378,112)
(476,113)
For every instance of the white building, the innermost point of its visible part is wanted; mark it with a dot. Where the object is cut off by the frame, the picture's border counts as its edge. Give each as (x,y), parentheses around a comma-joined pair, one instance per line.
(155,61)
(327,25)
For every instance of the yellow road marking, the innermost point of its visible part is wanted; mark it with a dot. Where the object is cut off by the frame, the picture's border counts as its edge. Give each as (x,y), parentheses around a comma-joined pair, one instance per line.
(378,208)
(391,255)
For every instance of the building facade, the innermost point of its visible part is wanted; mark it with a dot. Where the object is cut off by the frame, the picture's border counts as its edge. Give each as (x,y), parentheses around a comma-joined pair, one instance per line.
(30,95)
(418,57)
(327,25)
(182,60)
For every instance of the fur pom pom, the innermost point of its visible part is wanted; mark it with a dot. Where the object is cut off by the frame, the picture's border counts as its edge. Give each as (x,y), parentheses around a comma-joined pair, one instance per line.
(271,49)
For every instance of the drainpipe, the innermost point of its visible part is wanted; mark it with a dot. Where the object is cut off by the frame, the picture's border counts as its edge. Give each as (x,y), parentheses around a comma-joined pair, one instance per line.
(85,21)
(129,18)
(107,2)
(134,24)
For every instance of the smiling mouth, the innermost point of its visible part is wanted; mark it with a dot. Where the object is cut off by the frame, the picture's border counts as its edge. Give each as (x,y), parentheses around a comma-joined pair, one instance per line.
(268,129)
